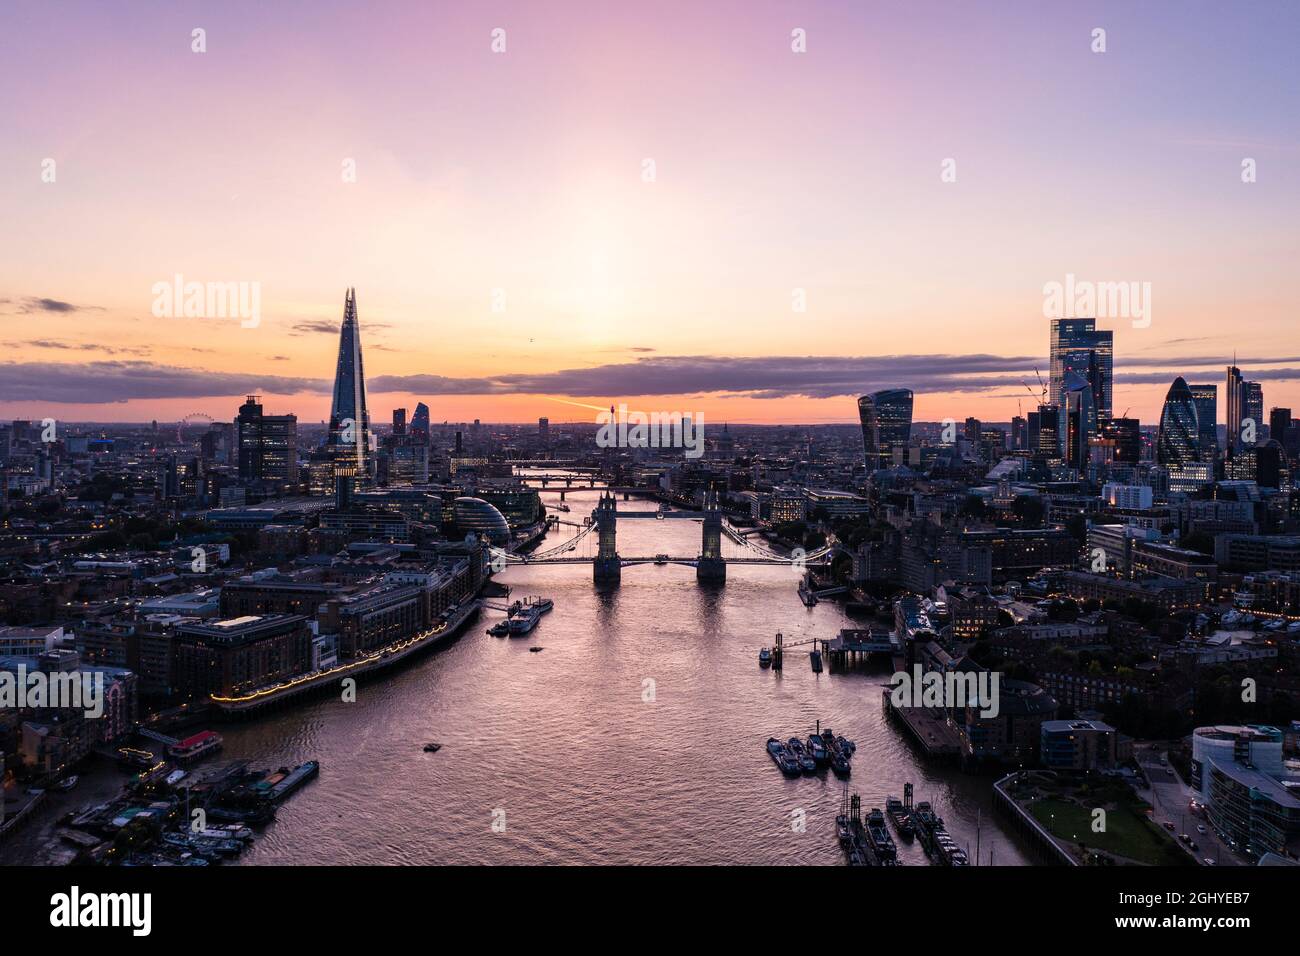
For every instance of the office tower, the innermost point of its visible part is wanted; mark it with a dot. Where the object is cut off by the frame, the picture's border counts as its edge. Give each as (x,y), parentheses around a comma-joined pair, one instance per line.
(1049,432)
(1252,408)
(1078,346)
(268,444)
(544,431)
(972,430)
(1018,429)
(886,418)
(420,421)
(1080,418)
(349,432)
(1125,434)
(1031,432)
(399,422)
(1279,420)
(1235,413)
(1178,442)
(1206,399)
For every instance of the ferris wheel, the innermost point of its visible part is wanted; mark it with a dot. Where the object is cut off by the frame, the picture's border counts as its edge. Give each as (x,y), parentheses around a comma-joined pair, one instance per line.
(190,420)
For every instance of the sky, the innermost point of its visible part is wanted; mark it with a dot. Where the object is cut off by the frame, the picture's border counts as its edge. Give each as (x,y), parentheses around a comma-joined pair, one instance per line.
(659,204)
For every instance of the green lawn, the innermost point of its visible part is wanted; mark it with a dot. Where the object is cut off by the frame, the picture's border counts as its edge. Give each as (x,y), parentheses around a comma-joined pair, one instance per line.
(1128,832)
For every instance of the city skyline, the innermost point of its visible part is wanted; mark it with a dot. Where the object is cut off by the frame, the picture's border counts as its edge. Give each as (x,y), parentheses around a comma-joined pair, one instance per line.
(512,260)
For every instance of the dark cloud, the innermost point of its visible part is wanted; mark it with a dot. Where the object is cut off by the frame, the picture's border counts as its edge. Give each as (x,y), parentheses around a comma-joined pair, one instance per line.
(86,347)
(329,327)
(774,377)
(96,383)
(768,378)
(314,326)
(31,304)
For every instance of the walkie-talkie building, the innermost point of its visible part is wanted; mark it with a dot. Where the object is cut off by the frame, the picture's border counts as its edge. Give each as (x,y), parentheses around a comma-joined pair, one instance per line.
(886,418)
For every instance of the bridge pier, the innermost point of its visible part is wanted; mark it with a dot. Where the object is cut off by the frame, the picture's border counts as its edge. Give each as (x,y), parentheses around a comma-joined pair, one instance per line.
(711,568)
(607,568)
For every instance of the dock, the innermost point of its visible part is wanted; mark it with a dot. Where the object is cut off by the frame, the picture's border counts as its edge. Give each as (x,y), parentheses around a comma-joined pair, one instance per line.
(931,733)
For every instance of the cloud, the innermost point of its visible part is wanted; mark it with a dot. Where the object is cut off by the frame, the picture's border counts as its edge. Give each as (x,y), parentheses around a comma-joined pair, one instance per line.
(86,347)
(314,326)
(31,304)
(102,383)
(774,377)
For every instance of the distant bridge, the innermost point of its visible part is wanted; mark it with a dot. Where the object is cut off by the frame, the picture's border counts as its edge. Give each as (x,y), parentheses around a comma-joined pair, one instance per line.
(710,564)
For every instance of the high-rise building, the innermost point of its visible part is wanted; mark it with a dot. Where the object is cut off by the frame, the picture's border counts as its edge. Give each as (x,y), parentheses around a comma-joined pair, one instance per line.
(1178,442)
(1125,434)
(1245,418)
(1252,407)
(399,422)
(1279,420)
(1080,420)
(1018,433)
(544,431)
(1206,399)
(1078,346)
(349,429)
(268,444)
(886,418)
(420,421)
(1232,396)
(1049,432)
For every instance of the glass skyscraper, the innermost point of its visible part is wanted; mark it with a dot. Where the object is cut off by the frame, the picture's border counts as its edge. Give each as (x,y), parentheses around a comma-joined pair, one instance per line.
(1206,398)
(1178,442)
(349,435)
(886,418)
(1078,346)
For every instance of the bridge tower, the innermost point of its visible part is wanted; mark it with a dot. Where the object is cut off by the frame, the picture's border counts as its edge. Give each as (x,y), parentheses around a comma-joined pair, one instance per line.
(606,569)
(711,567)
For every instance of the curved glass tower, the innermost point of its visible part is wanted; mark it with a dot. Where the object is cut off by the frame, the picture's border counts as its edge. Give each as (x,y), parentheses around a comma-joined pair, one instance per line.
(1179,439)
(886,418)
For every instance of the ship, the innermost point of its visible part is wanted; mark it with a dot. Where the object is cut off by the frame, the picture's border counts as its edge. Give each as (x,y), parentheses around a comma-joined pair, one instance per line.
(765,657)
(815,657)
(783,758)
(898,813)
(805,593)
(800,752)
(817,750)
(881,841)
(529,616)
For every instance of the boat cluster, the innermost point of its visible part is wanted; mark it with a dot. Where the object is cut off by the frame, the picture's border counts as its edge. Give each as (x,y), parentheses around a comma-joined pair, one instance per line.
(157,821)
(522,617)
(795,757)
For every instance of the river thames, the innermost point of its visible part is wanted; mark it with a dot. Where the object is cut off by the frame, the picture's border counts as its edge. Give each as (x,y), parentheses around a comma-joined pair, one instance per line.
(636,736)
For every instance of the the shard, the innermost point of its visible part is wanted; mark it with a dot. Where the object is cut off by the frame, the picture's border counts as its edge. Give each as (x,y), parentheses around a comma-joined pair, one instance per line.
(349,436)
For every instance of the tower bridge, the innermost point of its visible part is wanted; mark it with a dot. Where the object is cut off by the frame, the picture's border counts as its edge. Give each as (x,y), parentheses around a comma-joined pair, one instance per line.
(710,564)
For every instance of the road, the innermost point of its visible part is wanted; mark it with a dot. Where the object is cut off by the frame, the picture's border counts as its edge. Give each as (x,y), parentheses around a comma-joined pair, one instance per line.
(1172,798)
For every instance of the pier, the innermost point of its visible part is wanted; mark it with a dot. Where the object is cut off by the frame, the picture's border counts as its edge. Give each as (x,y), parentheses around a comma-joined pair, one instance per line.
(931,733)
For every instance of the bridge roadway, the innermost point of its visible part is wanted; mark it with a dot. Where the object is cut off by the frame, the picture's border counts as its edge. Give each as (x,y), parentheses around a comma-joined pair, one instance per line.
(670,559)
